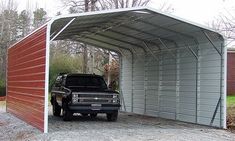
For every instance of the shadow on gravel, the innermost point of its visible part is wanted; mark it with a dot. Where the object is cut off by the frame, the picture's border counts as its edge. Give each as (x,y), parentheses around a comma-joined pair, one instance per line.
(125,121)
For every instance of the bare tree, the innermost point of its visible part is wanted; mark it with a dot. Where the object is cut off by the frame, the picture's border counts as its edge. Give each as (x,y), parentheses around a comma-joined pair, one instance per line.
(8,34)
(225,24)
(115,4)
(78,6)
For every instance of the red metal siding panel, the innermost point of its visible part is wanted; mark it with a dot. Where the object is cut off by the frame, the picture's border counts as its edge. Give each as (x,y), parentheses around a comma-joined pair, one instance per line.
(231,73)
(26,78)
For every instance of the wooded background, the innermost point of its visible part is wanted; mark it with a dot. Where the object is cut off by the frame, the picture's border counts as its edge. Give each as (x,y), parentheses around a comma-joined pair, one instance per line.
(68,56)
(65,56)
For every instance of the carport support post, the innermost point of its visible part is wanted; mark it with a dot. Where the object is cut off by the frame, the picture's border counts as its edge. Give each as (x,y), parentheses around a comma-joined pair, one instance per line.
(197,63)
(133,51)
(196,55)
(48,36)
(122,101)
(221,78)
(225,85)
(146,63)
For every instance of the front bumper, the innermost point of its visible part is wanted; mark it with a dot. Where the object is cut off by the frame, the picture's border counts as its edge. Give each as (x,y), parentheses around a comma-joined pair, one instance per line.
(94,108)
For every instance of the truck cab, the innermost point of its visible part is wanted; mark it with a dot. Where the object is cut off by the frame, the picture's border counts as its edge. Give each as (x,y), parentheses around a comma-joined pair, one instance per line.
(86,94)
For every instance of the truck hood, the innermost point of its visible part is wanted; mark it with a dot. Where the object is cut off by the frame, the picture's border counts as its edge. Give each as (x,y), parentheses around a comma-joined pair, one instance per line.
(84,89)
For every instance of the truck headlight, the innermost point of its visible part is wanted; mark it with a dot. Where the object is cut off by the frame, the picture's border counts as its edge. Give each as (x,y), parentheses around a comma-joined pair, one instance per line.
(115,99)
(74,98)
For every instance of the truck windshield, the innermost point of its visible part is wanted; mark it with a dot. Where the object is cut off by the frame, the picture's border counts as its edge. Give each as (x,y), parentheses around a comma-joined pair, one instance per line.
(85,81)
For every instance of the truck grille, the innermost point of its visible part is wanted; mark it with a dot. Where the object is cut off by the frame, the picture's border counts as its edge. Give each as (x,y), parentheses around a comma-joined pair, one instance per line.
(96,95)
(90,98)
(95,101)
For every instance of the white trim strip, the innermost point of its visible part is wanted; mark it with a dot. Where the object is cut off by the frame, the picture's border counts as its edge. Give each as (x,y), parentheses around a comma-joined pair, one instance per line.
(30,54)
(33,88)
(19,64)
(27,68)
(33,81)
(225,88)
(31,74)
(24,44)
(47,76)
(27,94)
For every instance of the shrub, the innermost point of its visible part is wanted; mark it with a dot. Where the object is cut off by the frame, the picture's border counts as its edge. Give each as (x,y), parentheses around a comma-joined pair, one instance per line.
(63,63)
(2,88)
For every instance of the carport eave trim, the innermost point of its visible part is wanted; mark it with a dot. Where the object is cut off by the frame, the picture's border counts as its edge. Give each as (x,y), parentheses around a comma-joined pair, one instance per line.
(202,27)
(185,21)
(46,92)
(225,85)
(98,13)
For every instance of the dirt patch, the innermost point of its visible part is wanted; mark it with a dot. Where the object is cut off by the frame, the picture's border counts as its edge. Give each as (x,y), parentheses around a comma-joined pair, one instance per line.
(231,118)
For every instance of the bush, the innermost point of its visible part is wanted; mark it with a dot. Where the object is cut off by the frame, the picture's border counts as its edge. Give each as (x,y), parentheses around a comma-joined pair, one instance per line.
(63,63)
(2,88)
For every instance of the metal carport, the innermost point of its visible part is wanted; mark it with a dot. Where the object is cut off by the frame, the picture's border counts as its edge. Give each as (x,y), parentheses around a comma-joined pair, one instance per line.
(170,67)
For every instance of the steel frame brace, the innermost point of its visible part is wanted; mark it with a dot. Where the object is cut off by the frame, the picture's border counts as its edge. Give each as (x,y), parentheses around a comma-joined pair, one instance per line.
(209,39)
(219,103)
(62,29)
(216,109)
(154,56)
(164,45)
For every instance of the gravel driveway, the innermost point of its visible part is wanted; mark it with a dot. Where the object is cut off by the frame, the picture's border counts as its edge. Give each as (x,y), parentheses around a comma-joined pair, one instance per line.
(129,127)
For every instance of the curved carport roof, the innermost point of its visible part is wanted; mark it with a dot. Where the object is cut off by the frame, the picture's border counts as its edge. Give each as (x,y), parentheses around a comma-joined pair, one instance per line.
(130,28)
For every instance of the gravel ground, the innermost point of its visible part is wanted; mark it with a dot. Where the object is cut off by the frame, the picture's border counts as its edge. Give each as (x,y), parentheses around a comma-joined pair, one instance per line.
(129,127)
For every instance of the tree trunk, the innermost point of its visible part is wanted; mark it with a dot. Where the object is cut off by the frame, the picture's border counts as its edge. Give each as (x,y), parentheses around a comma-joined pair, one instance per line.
(85,59)
(85,56)
(86,5)
(109,68)
(93,5)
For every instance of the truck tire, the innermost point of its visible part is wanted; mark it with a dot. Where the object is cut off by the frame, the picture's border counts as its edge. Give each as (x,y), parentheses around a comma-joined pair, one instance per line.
(112,116)
(94,115)
(56,108)
(84,115)
(67,115)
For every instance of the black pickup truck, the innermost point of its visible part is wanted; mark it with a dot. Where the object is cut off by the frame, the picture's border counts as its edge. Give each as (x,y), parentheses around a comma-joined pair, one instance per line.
(84,94)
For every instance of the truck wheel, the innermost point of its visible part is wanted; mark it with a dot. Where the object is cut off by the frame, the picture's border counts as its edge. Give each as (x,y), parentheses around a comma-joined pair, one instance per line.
(112,116)
(84,115)
(93,115)
(67,115)
(56,108)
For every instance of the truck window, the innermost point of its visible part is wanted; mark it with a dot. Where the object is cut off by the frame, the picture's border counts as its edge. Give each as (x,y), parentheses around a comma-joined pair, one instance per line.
(85,81)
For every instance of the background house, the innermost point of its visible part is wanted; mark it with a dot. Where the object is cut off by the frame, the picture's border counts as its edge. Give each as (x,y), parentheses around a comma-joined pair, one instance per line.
(231,72)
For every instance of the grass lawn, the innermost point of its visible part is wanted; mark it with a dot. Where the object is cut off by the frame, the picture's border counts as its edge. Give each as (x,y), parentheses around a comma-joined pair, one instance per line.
(231,101)
(231,113)
(2,103)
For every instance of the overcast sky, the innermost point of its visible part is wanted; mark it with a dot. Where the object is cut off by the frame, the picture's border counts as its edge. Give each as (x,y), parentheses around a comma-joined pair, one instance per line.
(199,11)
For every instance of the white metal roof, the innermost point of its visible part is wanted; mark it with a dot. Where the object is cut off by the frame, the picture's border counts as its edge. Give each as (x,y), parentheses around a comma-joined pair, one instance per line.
(128,28)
